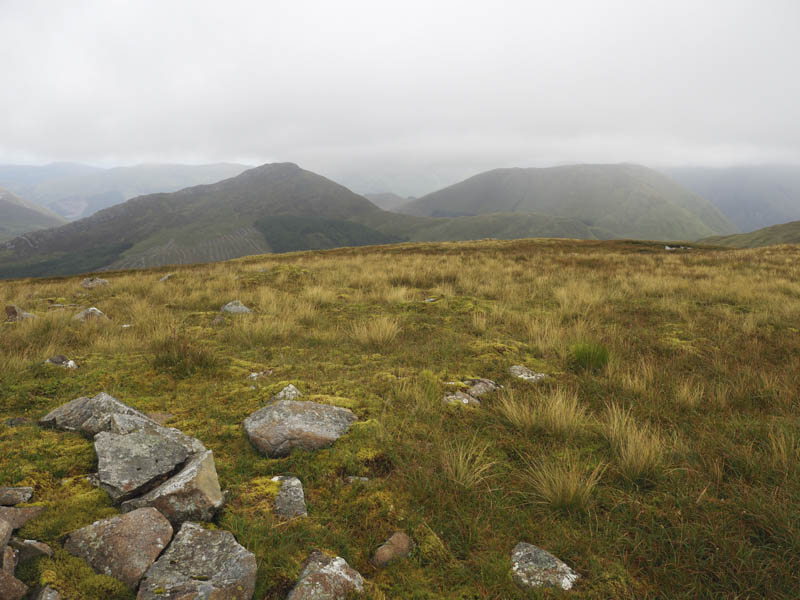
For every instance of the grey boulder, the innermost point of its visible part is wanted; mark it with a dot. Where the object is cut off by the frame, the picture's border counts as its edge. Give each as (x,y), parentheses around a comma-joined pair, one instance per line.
(9,496)
(278,428)
(17,517)
(526,374)
(201,564)
(46,593)
(235,308)
(90,314)
(532,567)
(290,501)
(288,393)
(461,398)
(124,424)
(30,549)
(326,578)
(87,415)
(123,546)
(480,387)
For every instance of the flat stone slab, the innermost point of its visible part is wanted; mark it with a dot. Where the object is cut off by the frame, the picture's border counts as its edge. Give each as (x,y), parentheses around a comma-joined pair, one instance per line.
(532,567)
(278,428)
(124,424)
(326,578)
(526,374)
(399,545)
(9,496)
(235,308)
(17,517)
(290,501)
(123,546)
(87,415)
(129,465)
(201,564)
(192,494)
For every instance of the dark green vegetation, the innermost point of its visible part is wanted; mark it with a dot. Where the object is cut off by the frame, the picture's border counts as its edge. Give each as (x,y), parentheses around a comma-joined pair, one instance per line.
(613,201)
(289,233)
(18,216)
(588,356)
(75,191)
(786,233)
(673,472)
(751,197)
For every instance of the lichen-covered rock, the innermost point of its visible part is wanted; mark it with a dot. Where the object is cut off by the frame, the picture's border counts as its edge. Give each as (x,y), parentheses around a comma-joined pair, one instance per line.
(526,374)
(461,398)
(326,578)
(11,588)
(5,532)
(90,314)
(87,415)
(480,387)
(278,428)
(125,424)
(17,517)
(290,501)
(235,308)
(201,564)
(8,560)
(123,546)
(30,549)
(191,494)
(399,545)
(93,282)
(15,314)
(9,496)
(46,593)
(532,567)
(288,393)
(129,465)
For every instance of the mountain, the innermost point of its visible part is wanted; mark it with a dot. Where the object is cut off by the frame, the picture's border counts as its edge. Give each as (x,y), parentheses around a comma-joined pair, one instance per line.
(77,191)
(785,233)
(387,200)
(19,216)
(751,197)
(613,201)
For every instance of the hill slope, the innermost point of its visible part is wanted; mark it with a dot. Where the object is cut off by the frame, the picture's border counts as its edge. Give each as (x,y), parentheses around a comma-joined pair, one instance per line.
(786,233)
(612,200)
(19,216)
(387,200)
(77,191)
(751,197)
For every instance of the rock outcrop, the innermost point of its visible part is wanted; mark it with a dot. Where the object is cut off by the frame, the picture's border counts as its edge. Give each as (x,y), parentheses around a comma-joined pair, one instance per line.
(532,567)
(326,578)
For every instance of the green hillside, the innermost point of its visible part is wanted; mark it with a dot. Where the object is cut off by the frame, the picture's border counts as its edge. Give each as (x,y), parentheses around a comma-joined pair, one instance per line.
(18,216)
(614,201)
(786,233)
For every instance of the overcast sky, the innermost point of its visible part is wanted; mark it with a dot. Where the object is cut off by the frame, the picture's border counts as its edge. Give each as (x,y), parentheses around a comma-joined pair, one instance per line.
(406,90)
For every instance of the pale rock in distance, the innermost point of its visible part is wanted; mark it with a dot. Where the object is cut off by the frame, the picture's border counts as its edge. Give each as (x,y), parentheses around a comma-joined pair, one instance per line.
(326,578)
(532,567)
(90,314)
(278,428)
(526,374)
(461,398)
(235,308)
(93,282)
(290,501)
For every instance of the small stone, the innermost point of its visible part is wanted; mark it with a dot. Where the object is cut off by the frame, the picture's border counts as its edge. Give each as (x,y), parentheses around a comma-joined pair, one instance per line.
(166,277)
(259,374)
(9,496)
(90,314)
(123,546)
(399,545)
(526,374)
(235,308)
(87,415)
(11,588)
(17,517)
(30,549)
(430,300)
(278,428)
(61,361)
(290,501)
(351,479)
(8,560)
(201,563)
(532,567)
(14,314)
(326,578)
(288,393)
(126,326)
(93,282)
(462,399)
(46,593)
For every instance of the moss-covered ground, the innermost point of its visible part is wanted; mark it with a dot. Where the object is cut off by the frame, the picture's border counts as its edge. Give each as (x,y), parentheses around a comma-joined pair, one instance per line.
(699,488)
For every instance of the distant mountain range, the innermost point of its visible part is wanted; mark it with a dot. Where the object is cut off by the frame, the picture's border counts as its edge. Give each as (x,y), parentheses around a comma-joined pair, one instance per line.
(785,233)
(18,216)
(75,191)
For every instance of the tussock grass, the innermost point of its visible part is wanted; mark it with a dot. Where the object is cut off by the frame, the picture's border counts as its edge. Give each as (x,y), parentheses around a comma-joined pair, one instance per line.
(556,413)
(375,332)
(639,452)
(467,463)
(565,485)
(182,356)
(588,356)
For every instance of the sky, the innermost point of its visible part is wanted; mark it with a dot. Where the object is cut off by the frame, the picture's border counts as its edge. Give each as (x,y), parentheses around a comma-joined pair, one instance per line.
(405,94)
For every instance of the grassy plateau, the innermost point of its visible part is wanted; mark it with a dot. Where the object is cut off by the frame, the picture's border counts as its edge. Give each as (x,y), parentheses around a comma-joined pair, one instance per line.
(659,459)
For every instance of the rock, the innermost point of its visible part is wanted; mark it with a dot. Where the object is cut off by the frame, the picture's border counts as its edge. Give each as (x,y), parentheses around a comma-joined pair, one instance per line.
(192,494)
(532,567)
(129,465)
(288,393)
(125,424)
(235,308)
(87,415)
(399,545)
(275,429)
(201,564)
(46,593)
(123,546)
(290,501)
(14,314)
(30,549)
(8,560)
(259,374)
(326,578)
(351,479)
(526,374)
(5,532)
(11,588)
(126,326)
(61,361)
(90,314)
(17,517)
(461,398)
(93,282)
(480,387)
(166,277)
(9,496)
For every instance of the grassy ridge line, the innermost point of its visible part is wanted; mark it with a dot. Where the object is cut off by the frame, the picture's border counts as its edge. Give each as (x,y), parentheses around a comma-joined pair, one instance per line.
(672,471)
(786,233)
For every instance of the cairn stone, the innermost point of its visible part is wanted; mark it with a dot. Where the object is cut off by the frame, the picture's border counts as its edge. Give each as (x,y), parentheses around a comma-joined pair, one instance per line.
(90,314)
(122,546)
(201,564)
(290,501)
(235,308)
(278,428)
(125,424)
(9,496)
(532,567)
(326,578)
(399,545)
